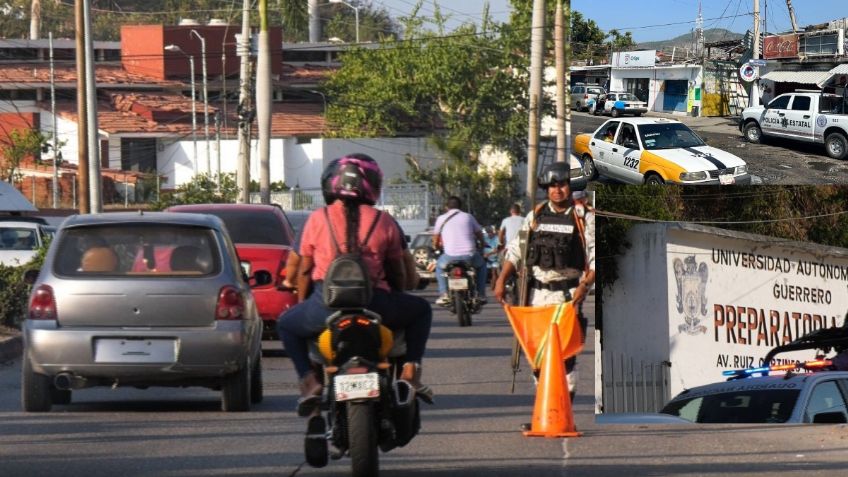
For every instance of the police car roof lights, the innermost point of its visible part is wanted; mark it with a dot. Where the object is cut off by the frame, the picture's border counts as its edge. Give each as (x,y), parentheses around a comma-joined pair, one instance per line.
(764,370)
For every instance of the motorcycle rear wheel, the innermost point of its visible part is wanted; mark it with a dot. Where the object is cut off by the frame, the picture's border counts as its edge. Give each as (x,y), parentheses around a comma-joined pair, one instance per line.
(461,309)
(362,439)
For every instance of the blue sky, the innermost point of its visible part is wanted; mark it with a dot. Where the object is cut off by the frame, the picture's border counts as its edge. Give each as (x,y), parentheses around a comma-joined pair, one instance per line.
(649,19)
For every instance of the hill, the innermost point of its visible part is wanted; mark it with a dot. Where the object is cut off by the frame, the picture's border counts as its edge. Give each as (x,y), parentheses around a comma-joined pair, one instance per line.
(685,40)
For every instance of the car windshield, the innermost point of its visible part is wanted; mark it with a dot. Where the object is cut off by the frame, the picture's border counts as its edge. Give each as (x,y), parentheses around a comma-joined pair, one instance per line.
(143,249)
(421,240)
(668,136)
(747,406)
(253,227)
(627,97)
(595,91)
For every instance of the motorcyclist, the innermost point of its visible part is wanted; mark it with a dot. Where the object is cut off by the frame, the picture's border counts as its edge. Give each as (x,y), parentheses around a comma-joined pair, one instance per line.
(355,186)
(460,236)
(561,251)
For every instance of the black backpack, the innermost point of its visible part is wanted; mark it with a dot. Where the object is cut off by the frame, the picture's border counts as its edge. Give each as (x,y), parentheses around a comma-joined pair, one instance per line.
(347,283)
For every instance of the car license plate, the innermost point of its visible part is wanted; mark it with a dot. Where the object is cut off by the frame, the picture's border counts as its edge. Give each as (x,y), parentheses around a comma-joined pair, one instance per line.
(726,179)
(357,386)
(457,283)
(122,350)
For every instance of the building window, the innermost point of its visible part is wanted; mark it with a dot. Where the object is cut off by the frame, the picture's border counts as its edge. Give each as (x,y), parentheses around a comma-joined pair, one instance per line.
(820,44)
(138,154)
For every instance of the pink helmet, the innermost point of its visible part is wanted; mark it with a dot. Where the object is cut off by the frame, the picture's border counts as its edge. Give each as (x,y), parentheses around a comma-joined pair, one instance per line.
(357,178)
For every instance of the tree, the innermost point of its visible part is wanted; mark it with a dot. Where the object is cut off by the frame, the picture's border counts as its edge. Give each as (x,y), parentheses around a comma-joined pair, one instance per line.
(19,144)
(201,190)
(620,42)
(464,86)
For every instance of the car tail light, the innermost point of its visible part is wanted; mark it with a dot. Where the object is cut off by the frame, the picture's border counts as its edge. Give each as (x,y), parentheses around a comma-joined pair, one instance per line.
(230,304)
(456,272)
(281,273)
(585,96)
(42,304)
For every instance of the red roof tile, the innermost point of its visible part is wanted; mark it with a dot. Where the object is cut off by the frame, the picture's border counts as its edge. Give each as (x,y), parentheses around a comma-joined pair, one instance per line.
(64,73)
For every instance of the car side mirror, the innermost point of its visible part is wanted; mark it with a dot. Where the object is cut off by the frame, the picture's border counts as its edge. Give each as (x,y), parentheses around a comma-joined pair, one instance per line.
(30,276)
(836,417)
(261,278)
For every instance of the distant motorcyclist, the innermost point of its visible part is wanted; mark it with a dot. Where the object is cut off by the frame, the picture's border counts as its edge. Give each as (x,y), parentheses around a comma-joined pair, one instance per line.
(461,237)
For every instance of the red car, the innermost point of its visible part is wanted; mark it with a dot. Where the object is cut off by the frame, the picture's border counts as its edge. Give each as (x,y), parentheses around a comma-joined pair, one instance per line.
(263,236)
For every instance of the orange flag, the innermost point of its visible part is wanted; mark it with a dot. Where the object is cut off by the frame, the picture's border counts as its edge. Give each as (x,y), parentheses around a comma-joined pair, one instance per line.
(531,325)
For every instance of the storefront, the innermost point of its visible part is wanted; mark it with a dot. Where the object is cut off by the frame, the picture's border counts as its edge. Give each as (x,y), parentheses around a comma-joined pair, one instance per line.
(674,89)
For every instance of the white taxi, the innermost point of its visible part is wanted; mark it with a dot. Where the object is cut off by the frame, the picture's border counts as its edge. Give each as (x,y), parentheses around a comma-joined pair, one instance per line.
(656,151)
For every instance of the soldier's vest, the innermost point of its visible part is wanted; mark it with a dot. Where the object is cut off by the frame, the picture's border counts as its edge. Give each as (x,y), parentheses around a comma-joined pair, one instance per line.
(556,243)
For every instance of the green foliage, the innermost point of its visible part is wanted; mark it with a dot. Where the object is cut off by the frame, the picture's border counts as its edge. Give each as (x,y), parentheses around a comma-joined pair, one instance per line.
(462,86)
(202,189)
(485,194)
(14,293)
(279,186)
(19,144)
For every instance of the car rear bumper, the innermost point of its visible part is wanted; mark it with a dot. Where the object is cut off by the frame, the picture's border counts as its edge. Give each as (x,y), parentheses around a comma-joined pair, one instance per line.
(197,353)
(272,302)
(635,110)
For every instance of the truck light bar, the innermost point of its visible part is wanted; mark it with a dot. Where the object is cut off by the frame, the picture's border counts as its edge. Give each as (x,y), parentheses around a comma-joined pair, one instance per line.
(764,370)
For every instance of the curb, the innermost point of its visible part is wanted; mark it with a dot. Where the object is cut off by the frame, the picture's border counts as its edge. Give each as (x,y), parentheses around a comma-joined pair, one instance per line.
(10,348)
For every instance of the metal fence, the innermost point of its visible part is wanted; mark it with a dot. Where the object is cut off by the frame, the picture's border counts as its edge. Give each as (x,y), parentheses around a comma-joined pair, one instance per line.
(630,386)
(403,201)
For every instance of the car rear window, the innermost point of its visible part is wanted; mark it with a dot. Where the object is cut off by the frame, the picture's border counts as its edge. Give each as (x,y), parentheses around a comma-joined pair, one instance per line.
(18,238)
(254,227)
(595,91)
(142,249)
(744,407)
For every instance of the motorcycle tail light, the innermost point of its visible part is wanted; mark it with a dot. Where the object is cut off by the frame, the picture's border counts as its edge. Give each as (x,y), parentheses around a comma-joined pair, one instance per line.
(457,272)
(356,370)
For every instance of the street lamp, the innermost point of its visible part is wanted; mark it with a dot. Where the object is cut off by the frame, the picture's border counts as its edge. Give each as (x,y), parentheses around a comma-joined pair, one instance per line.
(356,13)
(205,99)
(177,49)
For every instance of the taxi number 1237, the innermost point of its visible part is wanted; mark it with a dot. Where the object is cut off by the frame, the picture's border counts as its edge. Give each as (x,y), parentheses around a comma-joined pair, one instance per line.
(631,162)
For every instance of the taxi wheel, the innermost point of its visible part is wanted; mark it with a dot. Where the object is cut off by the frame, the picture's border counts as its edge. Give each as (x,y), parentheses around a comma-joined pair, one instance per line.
(615,112)
(653,179)
(589,169)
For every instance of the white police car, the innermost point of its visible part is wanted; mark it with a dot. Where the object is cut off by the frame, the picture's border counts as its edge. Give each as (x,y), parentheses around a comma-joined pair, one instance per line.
(656,151)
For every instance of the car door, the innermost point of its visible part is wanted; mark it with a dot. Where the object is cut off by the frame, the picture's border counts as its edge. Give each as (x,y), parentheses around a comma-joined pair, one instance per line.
(626,153)
(602,150)
(800,117)
(774,119)
(576,95)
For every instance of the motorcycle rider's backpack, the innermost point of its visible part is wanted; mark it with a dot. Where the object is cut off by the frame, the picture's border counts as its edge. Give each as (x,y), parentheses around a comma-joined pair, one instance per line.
(347,283)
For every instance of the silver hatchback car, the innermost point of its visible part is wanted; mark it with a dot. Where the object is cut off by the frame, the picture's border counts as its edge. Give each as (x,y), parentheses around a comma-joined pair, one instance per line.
(142,299)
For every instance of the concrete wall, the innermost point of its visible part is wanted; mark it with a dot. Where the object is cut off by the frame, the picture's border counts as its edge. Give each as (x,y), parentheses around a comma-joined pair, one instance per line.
(708,300)
(658,75)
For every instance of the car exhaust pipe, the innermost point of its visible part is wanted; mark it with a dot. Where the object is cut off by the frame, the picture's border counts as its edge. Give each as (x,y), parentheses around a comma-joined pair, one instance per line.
(63,381)
(66,381)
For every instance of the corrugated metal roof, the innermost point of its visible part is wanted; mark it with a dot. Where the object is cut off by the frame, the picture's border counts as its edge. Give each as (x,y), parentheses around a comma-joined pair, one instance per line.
(840,70)
(803,77)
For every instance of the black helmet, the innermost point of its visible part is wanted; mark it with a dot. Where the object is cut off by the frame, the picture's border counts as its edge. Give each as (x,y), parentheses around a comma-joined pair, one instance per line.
(556,172)
(326,177)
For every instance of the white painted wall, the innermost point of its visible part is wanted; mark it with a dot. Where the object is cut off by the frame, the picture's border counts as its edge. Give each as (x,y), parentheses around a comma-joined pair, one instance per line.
(692,73)
(735,283)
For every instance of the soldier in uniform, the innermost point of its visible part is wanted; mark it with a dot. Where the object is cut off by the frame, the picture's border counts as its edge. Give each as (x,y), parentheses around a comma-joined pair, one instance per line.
(560,251)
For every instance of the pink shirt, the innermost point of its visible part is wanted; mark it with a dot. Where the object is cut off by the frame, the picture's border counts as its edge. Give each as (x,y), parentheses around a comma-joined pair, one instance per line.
(385,241)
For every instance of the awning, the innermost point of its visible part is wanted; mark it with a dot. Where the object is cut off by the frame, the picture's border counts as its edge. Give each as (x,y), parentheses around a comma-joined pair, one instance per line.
(803,77)
(839,70)
(13,201)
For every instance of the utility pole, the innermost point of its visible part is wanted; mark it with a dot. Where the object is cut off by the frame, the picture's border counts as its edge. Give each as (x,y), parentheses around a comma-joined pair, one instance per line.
(563,80)
(35,21)
(205,100)
(82,104)
(537,52)
(244,107)
(263,104)
(56,153)
(96,200)
(754,100)
(792,16)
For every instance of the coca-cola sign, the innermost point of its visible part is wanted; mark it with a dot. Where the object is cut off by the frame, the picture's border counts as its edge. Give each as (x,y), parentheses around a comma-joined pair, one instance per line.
(780,46)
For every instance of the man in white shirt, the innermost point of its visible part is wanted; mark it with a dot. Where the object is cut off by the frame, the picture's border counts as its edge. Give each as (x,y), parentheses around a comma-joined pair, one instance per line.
(510,225)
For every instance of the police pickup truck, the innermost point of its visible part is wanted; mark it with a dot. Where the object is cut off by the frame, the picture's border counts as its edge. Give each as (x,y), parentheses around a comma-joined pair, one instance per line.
(809,116)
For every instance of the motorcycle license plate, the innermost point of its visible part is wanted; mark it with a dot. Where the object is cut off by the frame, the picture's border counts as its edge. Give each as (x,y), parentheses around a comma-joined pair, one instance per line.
(357,386)
(726,179)
(458,283)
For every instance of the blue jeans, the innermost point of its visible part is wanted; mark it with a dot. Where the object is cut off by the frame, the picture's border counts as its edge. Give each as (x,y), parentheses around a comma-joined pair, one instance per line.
(477,262)
(399,311)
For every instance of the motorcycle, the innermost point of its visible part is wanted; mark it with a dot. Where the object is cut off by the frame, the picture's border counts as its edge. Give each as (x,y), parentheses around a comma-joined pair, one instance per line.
(365,406)
(462,289)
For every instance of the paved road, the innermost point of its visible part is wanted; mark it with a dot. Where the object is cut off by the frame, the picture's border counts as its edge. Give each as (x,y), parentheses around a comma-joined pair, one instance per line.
(776,162)
(471,431)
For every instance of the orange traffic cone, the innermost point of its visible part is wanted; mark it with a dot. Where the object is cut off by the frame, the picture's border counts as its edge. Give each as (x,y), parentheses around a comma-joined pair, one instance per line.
(552,415)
